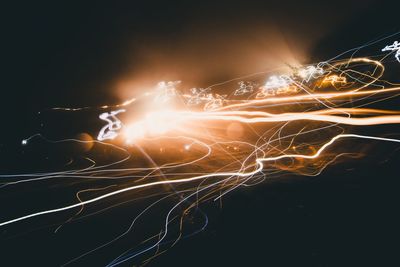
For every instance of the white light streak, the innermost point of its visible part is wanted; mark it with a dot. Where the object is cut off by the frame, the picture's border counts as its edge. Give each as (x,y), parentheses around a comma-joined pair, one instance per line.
(394,47)
(110,131)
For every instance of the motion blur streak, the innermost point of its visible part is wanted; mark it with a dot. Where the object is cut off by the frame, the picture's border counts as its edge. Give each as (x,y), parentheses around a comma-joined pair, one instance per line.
(193,145)
(222,174)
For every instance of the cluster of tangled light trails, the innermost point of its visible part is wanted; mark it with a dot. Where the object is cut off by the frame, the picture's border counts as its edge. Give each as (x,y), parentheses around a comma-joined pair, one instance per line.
(196,145)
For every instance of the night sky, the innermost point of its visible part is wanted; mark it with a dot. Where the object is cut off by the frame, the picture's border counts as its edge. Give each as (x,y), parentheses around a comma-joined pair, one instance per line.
(64,54)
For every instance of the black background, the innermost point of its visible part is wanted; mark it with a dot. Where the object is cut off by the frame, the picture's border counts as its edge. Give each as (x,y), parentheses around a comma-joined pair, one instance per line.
(75,54)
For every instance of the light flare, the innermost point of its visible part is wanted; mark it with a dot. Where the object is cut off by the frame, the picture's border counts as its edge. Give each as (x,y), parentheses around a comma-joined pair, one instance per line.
(197,145)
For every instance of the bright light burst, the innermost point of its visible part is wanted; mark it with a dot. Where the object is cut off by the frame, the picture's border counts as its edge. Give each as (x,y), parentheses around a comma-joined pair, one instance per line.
(206,142)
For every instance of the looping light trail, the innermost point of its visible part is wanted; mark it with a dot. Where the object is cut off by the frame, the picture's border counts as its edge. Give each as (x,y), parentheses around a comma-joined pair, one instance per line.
(394,47)
(114,124)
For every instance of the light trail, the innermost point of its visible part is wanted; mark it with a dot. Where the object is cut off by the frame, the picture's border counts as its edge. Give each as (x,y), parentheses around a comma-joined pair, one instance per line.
(187,180)
(199,144)
(110,130)
(394,47)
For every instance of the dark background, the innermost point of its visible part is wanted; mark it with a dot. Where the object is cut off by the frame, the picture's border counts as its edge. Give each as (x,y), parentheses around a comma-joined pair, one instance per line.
(89,54)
